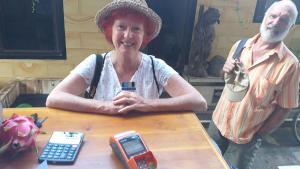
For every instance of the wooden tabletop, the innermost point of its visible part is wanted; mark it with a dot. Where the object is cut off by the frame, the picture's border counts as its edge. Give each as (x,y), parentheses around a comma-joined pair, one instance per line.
(178,140)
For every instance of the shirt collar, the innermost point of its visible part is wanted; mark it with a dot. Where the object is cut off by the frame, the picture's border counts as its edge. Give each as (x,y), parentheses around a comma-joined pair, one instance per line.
(278,50)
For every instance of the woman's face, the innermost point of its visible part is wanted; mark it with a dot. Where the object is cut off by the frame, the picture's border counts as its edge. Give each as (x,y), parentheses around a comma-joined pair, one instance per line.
(128,34)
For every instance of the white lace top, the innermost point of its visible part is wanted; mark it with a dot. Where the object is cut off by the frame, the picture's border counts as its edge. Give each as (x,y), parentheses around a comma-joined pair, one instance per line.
(109,85)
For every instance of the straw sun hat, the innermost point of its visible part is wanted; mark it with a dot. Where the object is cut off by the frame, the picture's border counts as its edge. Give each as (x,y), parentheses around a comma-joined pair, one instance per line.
(137,5)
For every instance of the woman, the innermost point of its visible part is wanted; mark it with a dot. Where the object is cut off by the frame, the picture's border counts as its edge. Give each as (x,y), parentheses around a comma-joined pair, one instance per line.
(128,25)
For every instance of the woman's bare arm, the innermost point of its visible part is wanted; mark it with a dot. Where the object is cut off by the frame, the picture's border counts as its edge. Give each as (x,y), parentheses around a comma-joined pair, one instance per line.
(66,95)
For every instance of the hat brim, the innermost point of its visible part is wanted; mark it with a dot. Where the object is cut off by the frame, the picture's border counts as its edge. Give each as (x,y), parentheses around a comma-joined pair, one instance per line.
(105,12)
(234,96)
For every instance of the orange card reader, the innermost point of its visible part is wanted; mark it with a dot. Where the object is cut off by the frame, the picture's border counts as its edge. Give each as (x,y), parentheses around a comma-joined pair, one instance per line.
(132,151)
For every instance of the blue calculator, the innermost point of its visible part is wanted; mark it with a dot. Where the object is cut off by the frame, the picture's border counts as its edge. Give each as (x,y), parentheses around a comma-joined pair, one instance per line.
(62,148)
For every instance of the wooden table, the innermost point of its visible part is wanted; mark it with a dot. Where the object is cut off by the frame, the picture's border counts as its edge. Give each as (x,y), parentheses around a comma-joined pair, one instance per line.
(178,140)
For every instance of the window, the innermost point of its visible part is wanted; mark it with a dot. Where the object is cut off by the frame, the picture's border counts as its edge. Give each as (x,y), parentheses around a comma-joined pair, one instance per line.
(32,29)
(263,5)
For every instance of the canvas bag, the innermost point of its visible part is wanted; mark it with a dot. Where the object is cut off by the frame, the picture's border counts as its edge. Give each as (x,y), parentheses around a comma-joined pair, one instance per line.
(237,82)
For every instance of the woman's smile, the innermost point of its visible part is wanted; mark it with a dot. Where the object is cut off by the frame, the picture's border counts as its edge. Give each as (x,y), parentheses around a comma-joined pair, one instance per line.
(127,44)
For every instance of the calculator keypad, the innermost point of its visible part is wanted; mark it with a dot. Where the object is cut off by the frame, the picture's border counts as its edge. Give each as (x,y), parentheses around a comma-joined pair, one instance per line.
(59,152)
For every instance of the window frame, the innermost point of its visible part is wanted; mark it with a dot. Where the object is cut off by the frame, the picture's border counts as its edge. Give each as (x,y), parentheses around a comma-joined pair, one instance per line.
(59,51)
(262,6)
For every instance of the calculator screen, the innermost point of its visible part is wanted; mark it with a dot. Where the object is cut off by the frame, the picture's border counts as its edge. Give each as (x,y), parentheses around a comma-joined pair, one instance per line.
(60,137)
(132,146)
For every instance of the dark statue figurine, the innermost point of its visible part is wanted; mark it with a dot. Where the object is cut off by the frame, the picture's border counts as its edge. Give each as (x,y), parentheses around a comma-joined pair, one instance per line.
(204,34)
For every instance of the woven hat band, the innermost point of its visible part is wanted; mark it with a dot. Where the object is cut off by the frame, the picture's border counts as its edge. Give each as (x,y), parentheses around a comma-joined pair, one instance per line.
(137,5)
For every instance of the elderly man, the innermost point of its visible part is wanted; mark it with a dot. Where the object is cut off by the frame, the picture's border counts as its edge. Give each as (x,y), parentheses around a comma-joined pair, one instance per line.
(273,74)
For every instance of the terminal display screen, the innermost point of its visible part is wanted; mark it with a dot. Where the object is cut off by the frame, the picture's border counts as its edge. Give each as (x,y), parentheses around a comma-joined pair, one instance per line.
(132,146)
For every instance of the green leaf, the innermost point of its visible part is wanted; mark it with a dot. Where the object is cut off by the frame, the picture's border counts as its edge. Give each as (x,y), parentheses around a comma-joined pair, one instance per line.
(36,149)
(6,146)
(43,132)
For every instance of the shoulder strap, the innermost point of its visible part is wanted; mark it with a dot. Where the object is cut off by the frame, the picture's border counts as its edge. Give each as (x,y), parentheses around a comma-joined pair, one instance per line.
(239,49)
(153,71)
(97,73)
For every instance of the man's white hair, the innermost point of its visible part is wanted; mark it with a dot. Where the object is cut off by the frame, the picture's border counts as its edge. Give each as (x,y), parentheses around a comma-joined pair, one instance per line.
(290,5)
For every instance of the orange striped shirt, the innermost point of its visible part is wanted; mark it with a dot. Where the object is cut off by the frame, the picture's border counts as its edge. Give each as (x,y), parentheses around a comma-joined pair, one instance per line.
(274,80)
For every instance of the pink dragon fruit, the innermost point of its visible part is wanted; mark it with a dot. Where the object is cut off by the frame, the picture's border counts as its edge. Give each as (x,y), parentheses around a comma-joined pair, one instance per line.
(17,134)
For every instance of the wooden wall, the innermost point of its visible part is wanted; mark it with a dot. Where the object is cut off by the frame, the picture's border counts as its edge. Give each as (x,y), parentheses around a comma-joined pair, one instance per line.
(236,23)
(83,37)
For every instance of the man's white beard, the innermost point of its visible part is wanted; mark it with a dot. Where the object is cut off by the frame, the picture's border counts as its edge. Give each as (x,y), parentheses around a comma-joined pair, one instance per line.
(269,36)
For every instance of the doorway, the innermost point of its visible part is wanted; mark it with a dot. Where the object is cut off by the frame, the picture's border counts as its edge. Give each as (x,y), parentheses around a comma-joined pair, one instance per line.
(173,43)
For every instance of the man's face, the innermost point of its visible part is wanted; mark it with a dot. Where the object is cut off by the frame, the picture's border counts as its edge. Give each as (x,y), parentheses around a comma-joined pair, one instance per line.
(276,24)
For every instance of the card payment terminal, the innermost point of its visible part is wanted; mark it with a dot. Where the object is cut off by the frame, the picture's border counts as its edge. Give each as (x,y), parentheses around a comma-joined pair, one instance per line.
(132,151)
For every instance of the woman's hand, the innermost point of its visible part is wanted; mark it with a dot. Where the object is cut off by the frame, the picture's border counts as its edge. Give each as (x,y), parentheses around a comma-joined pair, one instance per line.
(130,101)
(112,109)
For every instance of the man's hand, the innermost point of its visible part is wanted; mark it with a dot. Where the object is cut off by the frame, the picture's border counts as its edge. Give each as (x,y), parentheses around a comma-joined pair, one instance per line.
(229,65)
(130,102)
